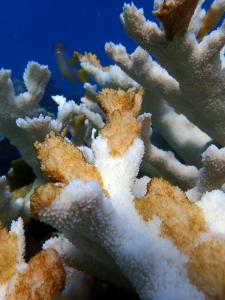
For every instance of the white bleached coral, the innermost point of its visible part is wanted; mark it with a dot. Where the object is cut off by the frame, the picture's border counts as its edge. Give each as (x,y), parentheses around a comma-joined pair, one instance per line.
(111,77)
(152,232)
(185,138)
(115,222)
(190,62)
(182,63)
(79,119)
(23,105)
(87,260)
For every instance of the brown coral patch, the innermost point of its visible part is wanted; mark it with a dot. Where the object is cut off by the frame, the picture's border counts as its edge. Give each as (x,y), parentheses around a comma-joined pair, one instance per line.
(121,131)
(176,16)
(182,221)
(42,280)
(206,268)
(210,20)
(92,59)
(43,197)
(8,255)
(62,162)
(129,101)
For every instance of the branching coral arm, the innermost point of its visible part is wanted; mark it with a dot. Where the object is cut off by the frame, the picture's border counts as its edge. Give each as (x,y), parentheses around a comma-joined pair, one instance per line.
(82,260)
(185,138)
(185,60)
(42,278)
(146,33)
(110,77)
(211,175)
(213,16)
(24,105)
(140,66)
(165,161)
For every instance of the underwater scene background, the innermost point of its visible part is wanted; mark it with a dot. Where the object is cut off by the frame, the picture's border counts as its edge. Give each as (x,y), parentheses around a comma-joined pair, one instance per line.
(31,29)
(112,168)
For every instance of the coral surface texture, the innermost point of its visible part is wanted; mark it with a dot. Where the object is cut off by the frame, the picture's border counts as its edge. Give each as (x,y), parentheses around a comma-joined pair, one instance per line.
(130,180)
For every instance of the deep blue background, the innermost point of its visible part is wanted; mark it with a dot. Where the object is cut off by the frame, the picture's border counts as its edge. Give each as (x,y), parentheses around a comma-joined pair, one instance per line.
(30,28)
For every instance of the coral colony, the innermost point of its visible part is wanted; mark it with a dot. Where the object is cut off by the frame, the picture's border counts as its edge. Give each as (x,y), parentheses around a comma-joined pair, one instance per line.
(126,211)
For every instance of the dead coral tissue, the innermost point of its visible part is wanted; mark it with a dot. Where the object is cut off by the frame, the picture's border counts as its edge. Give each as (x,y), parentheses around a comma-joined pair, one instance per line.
(127,211)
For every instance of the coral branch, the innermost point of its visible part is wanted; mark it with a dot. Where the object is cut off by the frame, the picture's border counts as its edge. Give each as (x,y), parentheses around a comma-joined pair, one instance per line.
(176,16)
(110,77)
(165,162)
(189,142)
(64,156)
(91,162)
(42,278)
(212,17)
(24,105)
(189,63)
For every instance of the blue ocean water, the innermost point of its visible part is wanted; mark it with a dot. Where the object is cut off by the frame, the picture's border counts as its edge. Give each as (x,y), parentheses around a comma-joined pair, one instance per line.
(30,29)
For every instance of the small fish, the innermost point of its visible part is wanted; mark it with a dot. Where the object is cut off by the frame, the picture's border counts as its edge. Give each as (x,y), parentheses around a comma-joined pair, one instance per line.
(69,67)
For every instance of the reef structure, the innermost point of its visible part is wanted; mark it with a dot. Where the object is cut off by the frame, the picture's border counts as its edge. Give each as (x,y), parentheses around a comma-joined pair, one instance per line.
(128,211)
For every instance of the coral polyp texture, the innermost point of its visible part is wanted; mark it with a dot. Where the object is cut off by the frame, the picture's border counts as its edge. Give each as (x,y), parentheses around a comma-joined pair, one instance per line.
(165,245)
(42,278)
(131,179)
